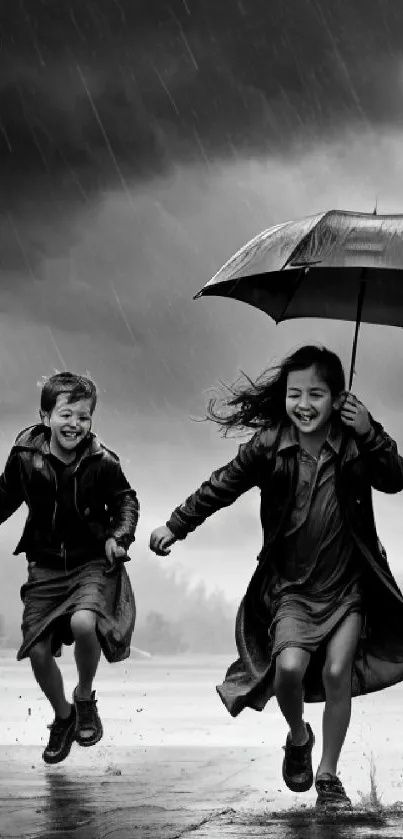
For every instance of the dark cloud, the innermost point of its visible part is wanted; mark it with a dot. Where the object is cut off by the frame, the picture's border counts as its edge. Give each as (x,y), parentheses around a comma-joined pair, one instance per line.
(92,93)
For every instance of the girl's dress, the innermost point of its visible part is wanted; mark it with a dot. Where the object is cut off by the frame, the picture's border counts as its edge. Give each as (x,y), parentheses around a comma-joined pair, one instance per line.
(321,558)
(319,582)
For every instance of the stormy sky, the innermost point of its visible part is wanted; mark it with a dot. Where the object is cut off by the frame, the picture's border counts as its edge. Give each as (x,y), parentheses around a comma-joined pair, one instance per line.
(140,145)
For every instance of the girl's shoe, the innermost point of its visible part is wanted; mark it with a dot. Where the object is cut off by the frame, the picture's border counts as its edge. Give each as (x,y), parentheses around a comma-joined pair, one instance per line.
(61,738)
(297,763)
(331,793)
(88,721)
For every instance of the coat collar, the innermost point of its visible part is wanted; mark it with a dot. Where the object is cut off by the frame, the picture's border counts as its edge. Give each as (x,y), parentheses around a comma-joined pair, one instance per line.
(289,438)
(36,438)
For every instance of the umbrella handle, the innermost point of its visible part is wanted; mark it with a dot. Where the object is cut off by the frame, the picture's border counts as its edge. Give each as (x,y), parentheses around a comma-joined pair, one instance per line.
(360,302)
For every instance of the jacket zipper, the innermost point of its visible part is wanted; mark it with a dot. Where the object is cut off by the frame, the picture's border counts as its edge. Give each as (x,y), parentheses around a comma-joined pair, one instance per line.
(55,507)
(62,546)
(63,553)
(75,496)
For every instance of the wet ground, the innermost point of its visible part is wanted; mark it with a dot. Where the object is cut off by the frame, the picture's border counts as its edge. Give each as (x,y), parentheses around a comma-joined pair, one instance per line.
(173,764)
(169,793)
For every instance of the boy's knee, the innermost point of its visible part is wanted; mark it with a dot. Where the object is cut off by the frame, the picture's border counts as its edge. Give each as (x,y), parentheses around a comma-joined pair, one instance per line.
(83,623)
(41,654)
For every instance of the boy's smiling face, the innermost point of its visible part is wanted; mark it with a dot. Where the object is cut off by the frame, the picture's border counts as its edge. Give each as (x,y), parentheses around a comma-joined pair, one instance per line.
(69,423)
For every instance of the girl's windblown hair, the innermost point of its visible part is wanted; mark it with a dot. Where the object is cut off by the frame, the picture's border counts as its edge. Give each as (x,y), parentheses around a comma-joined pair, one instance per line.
(261,403)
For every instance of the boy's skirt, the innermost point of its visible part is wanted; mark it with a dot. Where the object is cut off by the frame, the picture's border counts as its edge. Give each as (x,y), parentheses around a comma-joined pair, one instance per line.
(51,596)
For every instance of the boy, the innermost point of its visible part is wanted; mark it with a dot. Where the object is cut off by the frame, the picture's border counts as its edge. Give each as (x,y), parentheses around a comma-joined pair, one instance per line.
(82,518)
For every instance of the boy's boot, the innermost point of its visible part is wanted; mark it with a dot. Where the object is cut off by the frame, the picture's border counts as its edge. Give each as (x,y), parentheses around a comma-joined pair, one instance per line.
(61,738)
(88,720)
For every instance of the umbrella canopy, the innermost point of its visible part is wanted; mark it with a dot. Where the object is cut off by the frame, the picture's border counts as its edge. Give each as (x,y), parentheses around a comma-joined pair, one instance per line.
(337,264)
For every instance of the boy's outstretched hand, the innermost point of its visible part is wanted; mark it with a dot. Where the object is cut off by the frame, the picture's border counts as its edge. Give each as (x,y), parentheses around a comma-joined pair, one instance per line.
(161,539)
(354,414)
(113,551)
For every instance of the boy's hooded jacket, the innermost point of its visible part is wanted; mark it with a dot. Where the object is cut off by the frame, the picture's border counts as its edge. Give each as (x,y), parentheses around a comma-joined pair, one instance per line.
(94,498)
(363,464)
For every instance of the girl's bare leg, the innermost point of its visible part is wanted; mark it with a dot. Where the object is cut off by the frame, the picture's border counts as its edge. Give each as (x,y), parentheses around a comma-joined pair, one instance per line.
(291,665)
(337,681)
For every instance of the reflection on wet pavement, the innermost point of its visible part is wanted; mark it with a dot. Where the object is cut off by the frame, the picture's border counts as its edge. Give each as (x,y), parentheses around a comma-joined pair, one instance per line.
(68,804)
(303,824)
(56,805)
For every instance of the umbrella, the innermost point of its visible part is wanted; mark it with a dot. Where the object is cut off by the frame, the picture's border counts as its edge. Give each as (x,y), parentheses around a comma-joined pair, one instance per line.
(340,265)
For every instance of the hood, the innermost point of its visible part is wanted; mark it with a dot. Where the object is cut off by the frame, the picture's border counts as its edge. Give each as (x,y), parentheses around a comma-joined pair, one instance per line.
(36,438)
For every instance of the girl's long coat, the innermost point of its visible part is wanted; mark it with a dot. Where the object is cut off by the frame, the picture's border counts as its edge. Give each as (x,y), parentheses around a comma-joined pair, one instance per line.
(363,464)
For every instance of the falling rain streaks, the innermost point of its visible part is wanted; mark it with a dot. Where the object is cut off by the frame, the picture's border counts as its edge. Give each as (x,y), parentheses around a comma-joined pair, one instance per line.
(185,40)
(56,346)
(105,135)
(166,89)
(124,318)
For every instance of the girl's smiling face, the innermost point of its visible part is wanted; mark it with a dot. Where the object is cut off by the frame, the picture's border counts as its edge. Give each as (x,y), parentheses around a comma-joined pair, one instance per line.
(309,402)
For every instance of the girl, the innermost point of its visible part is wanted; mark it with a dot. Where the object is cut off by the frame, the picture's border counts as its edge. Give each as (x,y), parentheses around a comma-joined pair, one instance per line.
(322,616)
